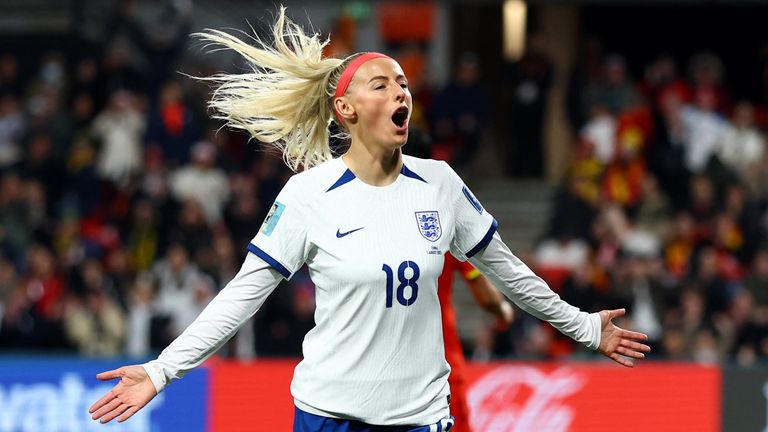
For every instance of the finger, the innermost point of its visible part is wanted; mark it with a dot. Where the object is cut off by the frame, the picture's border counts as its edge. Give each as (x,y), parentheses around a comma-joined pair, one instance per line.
(635,346)
(108,375)
(126,415)
(629,353)
(621,360)
(114,403)
(616,313)
(115,412)
(103,401)
(627,334)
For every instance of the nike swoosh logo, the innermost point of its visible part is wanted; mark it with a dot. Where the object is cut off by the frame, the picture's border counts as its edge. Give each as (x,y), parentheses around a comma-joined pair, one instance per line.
(340,234)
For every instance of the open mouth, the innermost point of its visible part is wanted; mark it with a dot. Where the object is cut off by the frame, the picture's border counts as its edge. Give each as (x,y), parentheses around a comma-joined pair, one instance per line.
(400,117)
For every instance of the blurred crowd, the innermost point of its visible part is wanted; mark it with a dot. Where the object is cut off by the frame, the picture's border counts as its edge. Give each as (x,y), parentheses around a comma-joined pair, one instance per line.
(663,211)
(124,207)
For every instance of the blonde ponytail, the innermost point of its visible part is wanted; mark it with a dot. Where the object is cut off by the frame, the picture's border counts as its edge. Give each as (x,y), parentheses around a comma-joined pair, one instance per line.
(287,99)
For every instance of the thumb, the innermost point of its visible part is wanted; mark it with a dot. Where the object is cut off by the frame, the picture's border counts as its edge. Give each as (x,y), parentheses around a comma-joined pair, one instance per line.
(616,313)
(108,375)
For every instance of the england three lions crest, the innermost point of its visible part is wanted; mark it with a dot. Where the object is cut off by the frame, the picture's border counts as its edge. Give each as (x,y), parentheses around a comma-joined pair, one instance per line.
(429,225)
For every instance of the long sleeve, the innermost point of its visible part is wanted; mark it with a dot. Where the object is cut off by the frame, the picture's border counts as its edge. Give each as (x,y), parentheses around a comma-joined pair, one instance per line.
(512,277)
(224,315)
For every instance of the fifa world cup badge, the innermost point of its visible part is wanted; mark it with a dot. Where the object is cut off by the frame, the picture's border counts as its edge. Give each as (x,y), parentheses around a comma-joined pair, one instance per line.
(272,218)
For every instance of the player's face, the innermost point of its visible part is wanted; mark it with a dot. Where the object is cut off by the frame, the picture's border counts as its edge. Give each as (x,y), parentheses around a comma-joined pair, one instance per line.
(382,102)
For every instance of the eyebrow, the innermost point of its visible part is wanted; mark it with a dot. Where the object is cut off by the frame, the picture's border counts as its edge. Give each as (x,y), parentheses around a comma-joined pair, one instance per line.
(384,77)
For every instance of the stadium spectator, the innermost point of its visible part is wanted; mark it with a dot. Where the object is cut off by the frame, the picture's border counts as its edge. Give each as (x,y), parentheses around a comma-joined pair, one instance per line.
(182,293)
(120,274)
(756,283)
(42,166)
(708,279)
(530,79)
(613,90)
(138,343)
(557,257)
(640,288)
(654,212)
(243,208)
(586,71)
(666,150)
(623,176)
(16,234)
(743,147)
(203,182)
(661,78)
(702,204)
(34,308)
(460,113)
(679,245)
(119,127)
(8,285)
(600,133)
(173,125)
(191,229)
(87,84)
(144,238)
(707,75)
(11,81)
(704,131)
(93,320)
(11,130)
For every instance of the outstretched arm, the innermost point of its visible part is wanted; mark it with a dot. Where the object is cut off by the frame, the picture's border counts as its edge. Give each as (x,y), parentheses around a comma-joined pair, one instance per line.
(232,307)
(531,293)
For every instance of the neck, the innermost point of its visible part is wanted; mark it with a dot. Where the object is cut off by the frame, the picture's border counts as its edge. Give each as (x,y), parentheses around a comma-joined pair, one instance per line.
(374,166)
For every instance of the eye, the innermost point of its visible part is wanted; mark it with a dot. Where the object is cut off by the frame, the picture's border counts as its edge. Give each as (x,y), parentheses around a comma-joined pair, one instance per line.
(404,85)
(379,86)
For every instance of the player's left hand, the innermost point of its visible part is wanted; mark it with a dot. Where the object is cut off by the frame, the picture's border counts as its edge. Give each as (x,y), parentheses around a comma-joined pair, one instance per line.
(619,345)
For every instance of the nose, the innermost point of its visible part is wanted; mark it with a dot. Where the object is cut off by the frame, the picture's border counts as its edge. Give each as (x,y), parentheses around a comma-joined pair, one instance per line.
(399,94)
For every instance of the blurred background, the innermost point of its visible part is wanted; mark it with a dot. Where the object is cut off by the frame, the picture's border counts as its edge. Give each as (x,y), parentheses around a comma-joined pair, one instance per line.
(620,144)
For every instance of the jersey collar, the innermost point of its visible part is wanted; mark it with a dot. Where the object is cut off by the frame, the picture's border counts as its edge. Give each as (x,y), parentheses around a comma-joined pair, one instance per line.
(348,176)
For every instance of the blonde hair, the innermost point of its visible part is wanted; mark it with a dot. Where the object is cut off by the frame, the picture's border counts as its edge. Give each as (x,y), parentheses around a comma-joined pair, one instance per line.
(287,99)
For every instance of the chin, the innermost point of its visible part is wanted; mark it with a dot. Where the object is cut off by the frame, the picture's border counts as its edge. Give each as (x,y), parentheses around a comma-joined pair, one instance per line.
(401,140)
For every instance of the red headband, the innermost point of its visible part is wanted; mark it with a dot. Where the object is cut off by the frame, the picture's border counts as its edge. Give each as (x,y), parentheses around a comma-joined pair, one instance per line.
(349,72)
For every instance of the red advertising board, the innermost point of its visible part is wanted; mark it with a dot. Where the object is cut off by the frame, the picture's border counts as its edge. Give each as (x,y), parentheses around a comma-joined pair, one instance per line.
(594,397)
(251,396)
(509,397)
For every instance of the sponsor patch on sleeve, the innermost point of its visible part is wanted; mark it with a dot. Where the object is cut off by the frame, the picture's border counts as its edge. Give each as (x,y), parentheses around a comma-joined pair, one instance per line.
(272,218)
(472,200)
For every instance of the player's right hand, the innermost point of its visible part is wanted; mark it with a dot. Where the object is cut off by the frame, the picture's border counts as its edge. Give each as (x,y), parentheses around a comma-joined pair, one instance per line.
(130,394)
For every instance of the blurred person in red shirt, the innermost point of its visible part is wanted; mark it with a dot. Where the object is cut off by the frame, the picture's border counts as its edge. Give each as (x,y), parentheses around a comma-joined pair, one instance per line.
(491,300)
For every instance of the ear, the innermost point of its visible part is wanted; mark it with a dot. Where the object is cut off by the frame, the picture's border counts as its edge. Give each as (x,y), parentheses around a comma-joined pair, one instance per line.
(344,109)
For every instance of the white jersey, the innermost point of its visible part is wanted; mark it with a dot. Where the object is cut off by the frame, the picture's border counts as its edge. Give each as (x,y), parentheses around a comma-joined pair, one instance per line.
(374,254)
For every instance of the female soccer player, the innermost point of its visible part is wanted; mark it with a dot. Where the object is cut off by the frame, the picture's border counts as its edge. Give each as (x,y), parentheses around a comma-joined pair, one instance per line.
(372,226)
